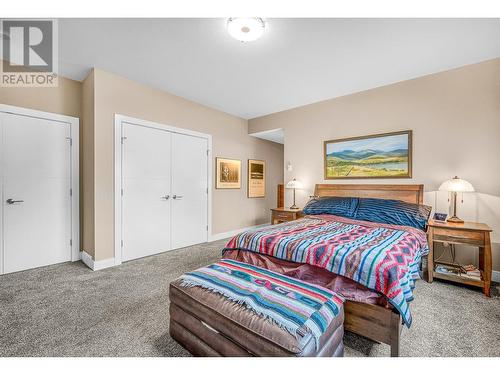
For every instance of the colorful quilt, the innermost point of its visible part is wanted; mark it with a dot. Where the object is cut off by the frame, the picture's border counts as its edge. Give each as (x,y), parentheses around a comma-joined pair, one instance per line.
(384,258)
(294,305)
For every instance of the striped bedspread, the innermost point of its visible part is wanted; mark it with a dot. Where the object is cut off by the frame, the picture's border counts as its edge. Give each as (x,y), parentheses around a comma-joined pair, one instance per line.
(384,258)
(294,305)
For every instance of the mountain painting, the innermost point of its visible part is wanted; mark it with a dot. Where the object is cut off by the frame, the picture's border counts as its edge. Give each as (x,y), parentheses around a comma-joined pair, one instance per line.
(375,156)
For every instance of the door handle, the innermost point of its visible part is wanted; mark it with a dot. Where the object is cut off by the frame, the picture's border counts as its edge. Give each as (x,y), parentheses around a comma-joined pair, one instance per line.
(166,197)
(12,201)
(177,197)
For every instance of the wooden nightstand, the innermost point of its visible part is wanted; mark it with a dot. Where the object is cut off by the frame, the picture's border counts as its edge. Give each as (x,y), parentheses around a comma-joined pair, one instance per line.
(282,214)
(468,233)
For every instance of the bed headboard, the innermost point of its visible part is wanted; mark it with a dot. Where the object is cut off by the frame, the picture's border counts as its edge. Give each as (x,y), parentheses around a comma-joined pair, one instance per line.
(413,193)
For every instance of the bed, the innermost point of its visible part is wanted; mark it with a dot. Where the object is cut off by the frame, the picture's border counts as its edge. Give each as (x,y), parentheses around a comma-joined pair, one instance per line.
(367,312)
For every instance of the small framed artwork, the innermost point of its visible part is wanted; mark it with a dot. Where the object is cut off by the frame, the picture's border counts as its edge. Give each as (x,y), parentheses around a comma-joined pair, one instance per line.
(228,173)
(374,156)
(256,178)
(440,216)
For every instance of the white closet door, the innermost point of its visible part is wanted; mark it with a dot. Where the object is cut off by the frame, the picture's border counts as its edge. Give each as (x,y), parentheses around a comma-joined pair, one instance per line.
(146,191)
(189,190)
(36,202)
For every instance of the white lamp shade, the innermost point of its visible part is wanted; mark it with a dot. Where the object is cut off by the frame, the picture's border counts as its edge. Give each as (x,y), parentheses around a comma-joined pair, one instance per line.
(246,29)
(294,184)
(457,184)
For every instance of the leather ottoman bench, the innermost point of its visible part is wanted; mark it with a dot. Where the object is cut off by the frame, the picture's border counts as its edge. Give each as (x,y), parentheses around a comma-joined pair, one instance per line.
(208,323)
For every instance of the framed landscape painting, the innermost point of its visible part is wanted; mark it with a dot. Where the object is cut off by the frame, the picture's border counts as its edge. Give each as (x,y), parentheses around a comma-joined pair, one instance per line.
(375,156)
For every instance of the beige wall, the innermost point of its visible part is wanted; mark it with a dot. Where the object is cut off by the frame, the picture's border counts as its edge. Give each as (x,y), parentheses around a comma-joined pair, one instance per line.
(231,209)
(455,118)
(87,165)
(64,99)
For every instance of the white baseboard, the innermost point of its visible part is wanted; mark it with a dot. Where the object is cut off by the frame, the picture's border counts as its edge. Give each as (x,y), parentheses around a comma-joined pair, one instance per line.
(96,265)
(110,262)
(232,233)
(495,276)
(87,259)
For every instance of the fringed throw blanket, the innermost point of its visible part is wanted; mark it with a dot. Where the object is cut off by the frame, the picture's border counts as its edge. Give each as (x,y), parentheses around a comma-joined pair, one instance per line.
(294,305)
(384,258)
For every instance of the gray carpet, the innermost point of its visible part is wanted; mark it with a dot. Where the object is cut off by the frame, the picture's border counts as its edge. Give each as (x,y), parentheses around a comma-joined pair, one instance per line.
(69,310)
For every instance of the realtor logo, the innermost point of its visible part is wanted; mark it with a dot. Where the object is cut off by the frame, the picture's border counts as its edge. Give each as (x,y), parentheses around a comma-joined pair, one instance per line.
(29,53)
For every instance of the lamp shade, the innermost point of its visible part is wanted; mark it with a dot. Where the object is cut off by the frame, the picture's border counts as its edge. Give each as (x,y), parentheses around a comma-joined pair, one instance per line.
(457,184)
(294,184)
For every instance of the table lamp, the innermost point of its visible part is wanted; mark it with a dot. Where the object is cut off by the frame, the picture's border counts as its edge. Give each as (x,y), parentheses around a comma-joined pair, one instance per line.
(456,185)
(294,184)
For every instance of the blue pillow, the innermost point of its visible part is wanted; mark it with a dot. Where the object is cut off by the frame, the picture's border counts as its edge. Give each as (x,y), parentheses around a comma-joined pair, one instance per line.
(339,206)
(394,212)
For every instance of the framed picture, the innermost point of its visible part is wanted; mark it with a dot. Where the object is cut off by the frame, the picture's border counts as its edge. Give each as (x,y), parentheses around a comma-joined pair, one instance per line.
(375,156)
(440,216)
(228,173)
(256,178)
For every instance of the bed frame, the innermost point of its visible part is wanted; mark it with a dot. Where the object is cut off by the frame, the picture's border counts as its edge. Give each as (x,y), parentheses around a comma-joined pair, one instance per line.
(374,322)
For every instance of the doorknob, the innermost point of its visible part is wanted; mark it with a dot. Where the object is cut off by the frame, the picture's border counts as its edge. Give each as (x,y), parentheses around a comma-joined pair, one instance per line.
(166,197)
(12,201)
(177,197)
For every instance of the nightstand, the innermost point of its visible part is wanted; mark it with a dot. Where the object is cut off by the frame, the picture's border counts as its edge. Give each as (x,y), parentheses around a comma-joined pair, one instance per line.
(468,233)
(282,214)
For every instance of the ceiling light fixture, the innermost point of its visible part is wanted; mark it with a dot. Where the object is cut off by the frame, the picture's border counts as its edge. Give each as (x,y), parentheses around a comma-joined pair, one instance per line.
(246,29)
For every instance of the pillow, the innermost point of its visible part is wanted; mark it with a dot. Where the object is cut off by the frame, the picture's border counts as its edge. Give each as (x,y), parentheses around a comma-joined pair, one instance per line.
(339,206)
(395,212)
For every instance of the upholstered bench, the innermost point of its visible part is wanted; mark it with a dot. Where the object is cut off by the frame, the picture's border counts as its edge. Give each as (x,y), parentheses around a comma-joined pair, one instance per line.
(235,309)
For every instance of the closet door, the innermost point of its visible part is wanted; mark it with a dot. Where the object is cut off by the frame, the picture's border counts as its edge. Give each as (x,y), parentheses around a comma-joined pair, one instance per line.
(35,169)
(146,171)
(189,190)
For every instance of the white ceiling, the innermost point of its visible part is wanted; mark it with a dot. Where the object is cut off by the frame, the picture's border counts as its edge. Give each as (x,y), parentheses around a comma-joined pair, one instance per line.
(275,135)
(296,62)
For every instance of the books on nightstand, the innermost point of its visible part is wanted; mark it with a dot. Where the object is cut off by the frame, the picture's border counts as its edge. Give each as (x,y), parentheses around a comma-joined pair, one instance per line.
(469,271)
(472,272)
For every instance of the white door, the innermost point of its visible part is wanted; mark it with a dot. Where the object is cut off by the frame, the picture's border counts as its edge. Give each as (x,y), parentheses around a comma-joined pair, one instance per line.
(35,167)
(146,191)
(189,190)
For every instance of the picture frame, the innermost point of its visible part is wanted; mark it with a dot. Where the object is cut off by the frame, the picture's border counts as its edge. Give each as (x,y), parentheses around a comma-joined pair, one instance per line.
(386,155)
(441,217)
(227,173)
(256,177)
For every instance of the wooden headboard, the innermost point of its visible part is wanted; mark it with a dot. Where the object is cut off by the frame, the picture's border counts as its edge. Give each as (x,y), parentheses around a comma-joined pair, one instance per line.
(413,193)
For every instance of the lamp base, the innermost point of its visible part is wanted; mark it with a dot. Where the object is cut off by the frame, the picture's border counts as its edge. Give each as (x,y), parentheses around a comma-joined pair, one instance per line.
(455,219)
(294,207)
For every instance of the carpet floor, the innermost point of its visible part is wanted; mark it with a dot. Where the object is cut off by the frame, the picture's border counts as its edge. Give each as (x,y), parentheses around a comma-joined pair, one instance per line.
(69,310)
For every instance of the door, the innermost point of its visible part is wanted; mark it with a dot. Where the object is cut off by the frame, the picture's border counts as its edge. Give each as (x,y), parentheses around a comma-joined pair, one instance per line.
(35,162)
(146,191)
(189,189)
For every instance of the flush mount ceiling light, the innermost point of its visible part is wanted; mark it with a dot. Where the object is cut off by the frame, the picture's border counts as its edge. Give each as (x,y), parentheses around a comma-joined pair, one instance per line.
(246,29)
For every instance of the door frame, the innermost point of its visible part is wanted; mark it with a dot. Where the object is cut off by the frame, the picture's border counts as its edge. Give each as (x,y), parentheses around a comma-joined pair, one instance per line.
(118,156)
(74,125)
